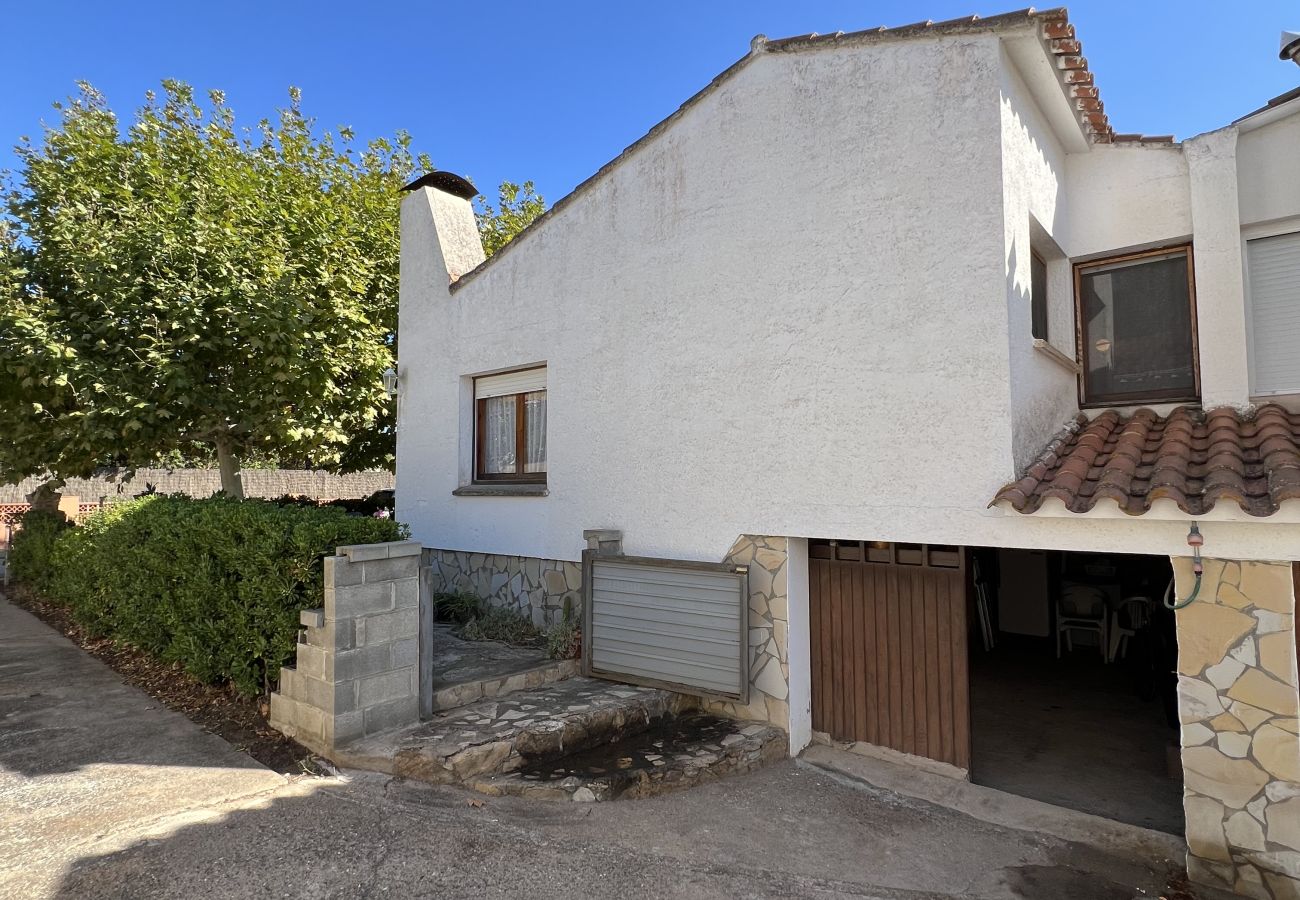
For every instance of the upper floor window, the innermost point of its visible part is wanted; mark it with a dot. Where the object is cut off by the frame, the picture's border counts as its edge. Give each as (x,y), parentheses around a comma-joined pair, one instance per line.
(1138,328)
(1273,273)
(1038,296)
(510,426)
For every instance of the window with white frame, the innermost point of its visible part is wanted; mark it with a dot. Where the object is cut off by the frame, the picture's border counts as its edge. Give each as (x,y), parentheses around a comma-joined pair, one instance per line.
(1273,279)
(510,426)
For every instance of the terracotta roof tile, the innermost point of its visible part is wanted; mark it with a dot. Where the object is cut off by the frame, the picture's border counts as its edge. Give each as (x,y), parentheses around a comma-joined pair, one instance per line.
(1192,457)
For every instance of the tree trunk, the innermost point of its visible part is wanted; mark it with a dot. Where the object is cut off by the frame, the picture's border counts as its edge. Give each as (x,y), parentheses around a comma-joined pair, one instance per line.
(232,479)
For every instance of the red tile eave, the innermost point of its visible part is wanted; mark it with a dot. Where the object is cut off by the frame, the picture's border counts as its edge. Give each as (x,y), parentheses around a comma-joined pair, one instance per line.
(1192,457)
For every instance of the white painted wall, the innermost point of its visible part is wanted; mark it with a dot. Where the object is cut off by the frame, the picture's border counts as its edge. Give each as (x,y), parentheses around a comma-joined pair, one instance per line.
(799,645)
(1268,168)
(793,312)
(1043,394)
(1129,196)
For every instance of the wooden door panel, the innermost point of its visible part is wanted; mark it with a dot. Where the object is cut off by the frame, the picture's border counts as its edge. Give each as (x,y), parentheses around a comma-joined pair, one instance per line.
(889,656)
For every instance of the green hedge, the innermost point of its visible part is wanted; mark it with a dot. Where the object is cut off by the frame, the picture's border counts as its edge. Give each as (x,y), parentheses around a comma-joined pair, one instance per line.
(32,550)
(213,584)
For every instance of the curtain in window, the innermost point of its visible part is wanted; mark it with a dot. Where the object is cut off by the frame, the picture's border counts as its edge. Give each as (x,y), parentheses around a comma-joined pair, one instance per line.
(499,436)
(535,431)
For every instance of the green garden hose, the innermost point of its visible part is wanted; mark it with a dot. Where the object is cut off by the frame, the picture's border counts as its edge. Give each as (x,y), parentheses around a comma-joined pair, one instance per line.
(1194,540)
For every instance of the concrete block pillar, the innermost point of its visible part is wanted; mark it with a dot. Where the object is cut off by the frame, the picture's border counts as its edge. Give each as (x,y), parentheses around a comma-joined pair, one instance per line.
(358,663)
(1238,697)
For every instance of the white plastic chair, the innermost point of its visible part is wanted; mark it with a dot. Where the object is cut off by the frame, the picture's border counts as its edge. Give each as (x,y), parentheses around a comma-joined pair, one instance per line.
(1082,607)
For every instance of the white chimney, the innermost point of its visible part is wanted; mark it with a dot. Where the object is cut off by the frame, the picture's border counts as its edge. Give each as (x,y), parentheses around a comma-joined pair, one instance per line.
(440,239)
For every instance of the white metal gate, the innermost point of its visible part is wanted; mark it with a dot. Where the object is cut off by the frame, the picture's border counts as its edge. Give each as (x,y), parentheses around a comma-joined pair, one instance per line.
(667,623)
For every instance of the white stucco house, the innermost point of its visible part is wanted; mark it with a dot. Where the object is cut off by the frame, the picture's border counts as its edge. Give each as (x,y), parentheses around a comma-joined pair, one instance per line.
(867,314)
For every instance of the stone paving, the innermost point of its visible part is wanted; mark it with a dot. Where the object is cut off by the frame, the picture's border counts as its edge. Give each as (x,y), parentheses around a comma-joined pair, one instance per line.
(500,734)
(686,751)
(466,671)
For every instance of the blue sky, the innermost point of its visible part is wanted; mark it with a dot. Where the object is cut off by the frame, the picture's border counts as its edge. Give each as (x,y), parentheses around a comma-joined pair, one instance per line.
(552,91)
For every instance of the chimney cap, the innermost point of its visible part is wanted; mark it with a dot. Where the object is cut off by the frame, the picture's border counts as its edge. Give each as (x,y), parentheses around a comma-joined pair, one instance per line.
(1290,46)
(449,182)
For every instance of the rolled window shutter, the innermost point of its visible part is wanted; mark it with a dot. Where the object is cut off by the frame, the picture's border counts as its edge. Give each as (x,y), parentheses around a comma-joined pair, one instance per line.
(1275,312)
(520,382)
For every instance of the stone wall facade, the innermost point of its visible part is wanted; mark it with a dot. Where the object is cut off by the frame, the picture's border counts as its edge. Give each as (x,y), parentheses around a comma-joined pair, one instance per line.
(358,663)
(535,588)
(1238,696)
(205,482)
(769,661)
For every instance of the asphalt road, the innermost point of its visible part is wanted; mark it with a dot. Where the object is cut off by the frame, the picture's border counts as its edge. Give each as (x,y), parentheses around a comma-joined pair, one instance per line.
(105,795)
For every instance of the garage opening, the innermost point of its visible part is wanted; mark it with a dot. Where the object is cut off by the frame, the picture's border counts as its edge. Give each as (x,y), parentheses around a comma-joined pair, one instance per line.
(950,653)
(1072,682)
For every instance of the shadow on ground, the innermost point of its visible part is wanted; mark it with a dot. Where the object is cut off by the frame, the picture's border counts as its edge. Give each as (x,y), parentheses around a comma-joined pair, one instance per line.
(781,832)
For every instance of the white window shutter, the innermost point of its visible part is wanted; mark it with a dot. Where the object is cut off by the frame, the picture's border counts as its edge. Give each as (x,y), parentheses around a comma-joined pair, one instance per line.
(520,382)
(1274,272)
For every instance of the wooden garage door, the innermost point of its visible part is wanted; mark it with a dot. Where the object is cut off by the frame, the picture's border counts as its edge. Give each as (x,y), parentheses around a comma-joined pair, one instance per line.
(889,646)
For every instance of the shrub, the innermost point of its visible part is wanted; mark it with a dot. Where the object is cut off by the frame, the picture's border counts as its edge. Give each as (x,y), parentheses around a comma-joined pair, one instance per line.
(563,639)
(215,584)
(496,623)
(458,607)
(32,550)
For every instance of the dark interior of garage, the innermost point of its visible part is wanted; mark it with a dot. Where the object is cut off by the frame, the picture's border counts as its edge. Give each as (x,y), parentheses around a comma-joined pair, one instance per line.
(1072,682)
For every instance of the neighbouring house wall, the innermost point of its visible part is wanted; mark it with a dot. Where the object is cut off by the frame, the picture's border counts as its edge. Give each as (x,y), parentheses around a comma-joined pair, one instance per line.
(1268,170)
(1238,699)
(1043,393)
(535,588)
(205,482)
(769,619)
(357,666)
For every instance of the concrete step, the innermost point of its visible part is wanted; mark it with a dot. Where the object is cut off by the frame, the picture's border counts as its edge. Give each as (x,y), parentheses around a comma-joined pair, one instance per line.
(458,694)
(502,734)
(684,751)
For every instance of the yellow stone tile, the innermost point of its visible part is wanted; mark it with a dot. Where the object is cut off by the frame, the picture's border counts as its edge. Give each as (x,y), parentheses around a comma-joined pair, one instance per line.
(1278,752)
(1234,782)
(1258,689)
(1251,717)
(1229,595)
(1277,655)
(1206,633)
(1227,722)
(1268,585)
(1291,725)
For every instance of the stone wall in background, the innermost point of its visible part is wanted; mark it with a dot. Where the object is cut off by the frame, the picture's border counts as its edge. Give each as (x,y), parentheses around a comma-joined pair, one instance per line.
(769,662)
(205,482)
(535,588)
(1238,697)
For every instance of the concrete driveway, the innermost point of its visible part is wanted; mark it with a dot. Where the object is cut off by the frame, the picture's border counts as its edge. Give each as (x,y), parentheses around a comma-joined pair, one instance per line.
(102,794)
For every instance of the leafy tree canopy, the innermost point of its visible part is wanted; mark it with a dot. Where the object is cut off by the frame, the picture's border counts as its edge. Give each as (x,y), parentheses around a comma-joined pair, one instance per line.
(184,287)
(517,207)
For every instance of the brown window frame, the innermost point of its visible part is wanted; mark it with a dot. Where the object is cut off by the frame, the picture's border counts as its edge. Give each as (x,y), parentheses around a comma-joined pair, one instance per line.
(521,443)
(1081,335)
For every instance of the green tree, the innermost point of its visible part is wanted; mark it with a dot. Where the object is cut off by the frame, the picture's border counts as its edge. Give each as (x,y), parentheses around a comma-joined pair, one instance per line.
(182,283)
(517,207)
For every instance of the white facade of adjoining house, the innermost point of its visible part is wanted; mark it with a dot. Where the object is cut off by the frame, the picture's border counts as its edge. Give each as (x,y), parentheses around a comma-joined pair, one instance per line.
(800,308)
